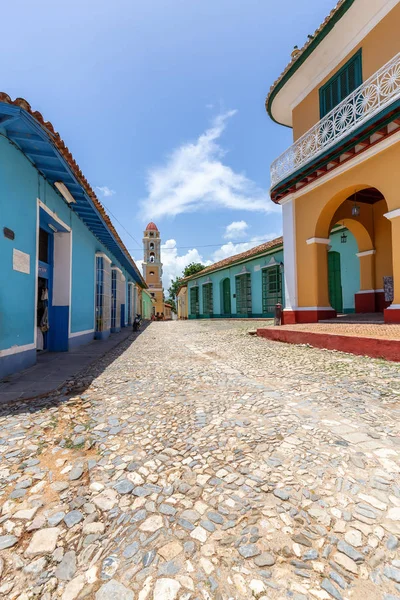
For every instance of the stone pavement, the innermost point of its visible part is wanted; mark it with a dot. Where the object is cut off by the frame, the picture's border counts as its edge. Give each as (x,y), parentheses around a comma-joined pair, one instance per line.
(203,463)
(53,369)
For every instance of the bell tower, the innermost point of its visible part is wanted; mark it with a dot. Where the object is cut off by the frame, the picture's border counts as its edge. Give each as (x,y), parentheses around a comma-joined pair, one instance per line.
(152,266)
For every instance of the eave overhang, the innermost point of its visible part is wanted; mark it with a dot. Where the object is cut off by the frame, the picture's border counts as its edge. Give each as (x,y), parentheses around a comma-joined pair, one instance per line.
(44,148)
(331,43)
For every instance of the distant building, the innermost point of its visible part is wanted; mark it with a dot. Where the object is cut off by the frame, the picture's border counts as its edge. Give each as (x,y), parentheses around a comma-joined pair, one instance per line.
(341,95)
(182,302)
(167,312)
(250,284)
(66,276)
(152,266)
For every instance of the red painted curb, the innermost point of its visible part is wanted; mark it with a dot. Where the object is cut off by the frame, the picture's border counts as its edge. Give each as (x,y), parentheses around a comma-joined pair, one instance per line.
(372,347)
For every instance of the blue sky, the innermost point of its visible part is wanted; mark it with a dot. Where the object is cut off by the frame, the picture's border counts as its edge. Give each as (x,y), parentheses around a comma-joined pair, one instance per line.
(162,105)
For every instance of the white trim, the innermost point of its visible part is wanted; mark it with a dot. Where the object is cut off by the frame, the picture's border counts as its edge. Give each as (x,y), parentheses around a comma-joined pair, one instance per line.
(317,240)
(366,292)
(394,306)
(353,162)
(123,278)
(78,333)
(54,216)
(36,273)
(289,253)
(392,214)
(17,349)
(244,271)
(380,290)
(207,282)
(345,37)
(365,253)
(114,268)
(102,255)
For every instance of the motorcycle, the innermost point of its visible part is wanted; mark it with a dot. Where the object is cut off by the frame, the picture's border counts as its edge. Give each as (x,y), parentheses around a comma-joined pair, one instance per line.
(137,321)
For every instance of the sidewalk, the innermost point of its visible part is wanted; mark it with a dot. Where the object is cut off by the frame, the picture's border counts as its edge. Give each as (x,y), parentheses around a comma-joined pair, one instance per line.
(53,369)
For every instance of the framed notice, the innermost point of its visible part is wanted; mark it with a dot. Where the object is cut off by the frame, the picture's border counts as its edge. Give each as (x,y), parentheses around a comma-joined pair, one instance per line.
(21,261)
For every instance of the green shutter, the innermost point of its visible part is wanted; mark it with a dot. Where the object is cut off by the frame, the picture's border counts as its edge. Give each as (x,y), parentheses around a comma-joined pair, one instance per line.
(345,81)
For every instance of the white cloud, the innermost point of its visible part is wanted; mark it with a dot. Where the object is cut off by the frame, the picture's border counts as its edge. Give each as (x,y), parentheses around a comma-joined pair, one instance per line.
(173,263)
(105,191)
(235,230)
(231,249)
(194,177)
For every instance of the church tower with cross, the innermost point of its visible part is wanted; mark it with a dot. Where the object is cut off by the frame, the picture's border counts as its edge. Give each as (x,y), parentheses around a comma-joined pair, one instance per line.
(152,266)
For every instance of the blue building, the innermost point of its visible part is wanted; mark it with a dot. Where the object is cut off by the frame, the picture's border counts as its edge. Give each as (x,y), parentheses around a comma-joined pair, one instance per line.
(250,284)
(66,277)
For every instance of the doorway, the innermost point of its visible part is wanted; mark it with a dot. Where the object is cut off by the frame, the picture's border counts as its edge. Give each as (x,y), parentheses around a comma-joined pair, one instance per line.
(335,282)
(226,296)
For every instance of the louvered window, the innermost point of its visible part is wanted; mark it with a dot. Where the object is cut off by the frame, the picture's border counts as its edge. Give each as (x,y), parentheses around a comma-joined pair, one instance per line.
(345,81)
(207,298)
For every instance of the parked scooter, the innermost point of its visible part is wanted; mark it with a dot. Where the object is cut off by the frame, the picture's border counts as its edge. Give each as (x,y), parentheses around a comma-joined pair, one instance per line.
(137,321)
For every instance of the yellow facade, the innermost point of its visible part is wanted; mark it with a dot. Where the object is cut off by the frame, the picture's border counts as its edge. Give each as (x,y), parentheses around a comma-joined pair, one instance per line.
(182,303)
(362,171)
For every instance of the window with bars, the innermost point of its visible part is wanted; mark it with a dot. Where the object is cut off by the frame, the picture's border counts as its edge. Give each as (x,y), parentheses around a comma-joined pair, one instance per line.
(103,294)
(345,81)
(207,298)
(243,294)
(117,298)
(271,288)
(194,300)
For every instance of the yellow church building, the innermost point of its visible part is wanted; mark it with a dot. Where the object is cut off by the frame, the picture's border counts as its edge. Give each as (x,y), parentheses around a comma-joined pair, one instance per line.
(341,96)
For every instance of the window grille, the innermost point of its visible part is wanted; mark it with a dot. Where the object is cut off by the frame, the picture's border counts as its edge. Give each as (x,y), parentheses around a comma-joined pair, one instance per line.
(243,294)
(208,298)
(103,294)
(271,288)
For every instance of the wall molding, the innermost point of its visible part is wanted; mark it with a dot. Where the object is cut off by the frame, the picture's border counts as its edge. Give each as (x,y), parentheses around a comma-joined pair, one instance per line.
(317,240)
(17,349)
(365,253)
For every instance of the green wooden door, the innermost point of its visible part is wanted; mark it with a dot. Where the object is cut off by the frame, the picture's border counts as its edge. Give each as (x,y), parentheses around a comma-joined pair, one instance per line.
(226,296)
(335,281)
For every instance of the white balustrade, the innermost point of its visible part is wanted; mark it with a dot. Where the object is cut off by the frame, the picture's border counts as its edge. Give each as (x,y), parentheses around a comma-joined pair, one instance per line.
(372,96)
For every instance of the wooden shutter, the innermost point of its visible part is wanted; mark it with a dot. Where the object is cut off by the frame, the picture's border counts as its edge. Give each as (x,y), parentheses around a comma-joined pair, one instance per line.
(345,81)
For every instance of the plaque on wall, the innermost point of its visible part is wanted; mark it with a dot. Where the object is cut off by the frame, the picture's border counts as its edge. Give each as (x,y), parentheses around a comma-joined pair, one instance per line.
(388,288)
(21,261)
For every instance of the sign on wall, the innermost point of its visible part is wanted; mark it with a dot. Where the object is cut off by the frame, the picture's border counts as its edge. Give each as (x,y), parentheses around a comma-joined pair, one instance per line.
(21,261)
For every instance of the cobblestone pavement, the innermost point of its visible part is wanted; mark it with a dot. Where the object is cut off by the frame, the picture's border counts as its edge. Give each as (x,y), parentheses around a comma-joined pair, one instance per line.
(204,463)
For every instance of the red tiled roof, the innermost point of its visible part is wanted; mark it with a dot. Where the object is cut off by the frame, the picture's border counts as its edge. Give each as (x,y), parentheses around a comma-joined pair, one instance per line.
(64,151)
(226,262)
(151,227)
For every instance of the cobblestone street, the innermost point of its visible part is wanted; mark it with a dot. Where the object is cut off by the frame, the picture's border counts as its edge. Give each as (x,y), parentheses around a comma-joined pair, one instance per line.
(198,462)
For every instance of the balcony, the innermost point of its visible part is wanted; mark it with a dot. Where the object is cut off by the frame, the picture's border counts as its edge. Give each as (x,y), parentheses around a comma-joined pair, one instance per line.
(368,100)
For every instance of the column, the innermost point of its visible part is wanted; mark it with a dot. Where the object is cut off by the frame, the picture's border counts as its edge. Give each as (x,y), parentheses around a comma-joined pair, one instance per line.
(392,313)
(365,298)
(289,259)
(317,273)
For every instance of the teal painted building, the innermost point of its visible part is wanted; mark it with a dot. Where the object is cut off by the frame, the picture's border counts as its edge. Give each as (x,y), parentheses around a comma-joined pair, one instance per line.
(250,284)
(66,277)
(247,285)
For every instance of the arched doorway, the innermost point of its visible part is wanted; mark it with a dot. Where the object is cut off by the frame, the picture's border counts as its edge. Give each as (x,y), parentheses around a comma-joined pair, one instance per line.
(362,215)
(226,296)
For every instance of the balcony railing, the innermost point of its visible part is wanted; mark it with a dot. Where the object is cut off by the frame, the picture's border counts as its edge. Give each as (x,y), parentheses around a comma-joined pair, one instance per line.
(378,92)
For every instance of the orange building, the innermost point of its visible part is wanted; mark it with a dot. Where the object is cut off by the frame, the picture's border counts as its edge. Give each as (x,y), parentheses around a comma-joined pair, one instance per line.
(341,96)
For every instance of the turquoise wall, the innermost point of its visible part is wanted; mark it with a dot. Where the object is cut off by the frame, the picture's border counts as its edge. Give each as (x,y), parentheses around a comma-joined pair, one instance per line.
(20,186)
(254,266)
(349,267)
